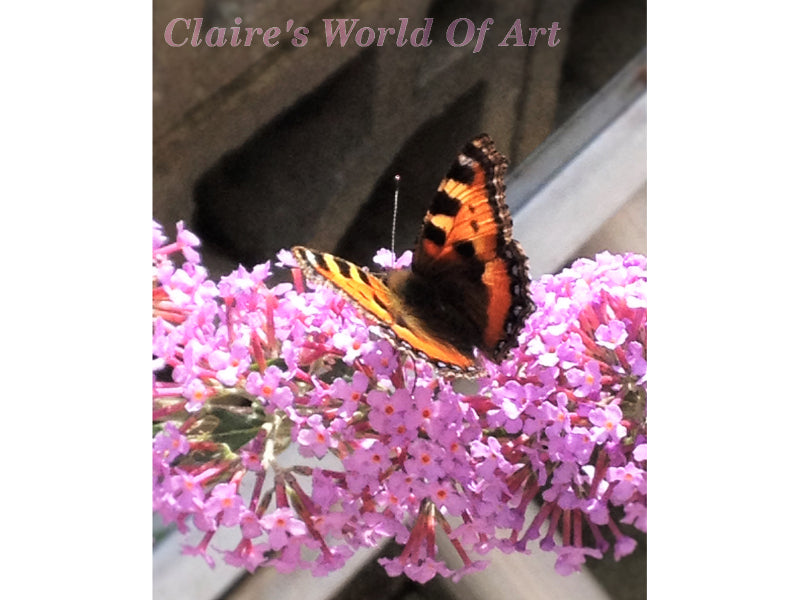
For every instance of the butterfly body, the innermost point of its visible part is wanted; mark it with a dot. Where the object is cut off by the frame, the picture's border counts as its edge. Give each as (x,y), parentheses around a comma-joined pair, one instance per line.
(467,286)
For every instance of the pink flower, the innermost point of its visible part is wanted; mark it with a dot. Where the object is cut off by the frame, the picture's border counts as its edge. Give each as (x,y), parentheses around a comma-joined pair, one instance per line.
(315,439)
(387,259)
(587,380)
(170,443)
(280,525)
(607,423)
(244,368)
(226,500)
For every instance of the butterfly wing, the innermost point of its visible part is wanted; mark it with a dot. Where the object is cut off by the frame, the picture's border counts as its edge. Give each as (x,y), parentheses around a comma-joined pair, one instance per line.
(465,245)
(374,298)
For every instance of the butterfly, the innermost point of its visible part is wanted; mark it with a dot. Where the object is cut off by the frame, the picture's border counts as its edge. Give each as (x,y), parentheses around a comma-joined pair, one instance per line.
(467,286)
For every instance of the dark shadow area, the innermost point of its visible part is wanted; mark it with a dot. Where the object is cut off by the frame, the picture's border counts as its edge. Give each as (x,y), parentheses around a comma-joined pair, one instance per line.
(256,200)
(604,36)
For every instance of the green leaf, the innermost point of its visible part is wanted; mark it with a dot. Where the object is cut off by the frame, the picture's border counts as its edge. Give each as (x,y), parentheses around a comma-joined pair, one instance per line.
(236,429)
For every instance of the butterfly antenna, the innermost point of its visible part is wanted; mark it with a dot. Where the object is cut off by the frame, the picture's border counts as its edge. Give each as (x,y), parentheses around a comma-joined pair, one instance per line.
(394,214)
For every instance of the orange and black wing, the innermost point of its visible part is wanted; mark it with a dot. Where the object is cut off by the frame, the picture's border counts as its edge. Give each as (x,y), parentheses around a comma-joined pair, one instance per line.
(372,296)
(466,243)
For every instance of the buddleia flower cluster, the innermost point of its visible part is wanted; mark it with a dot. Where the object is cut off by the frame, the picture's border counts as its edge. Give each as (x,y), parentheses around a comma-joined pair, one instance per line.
(278,412)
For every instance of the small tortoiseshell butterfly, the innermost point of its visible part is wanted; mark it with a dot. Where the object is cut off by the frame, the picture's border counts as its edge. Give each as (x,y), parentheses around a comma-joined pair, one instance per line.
(468,283)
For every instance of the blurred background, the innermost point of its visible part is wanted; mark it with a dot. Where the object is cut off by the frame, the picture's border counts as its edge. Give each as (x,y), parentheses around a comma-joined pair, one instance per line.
(259,149)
